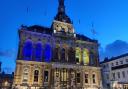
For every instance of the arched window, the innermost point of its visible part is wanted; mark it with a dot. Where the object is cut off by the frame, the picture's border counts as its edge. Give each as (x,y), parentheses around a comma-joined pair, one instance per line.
(63,55)
(78,55)
(92,59)
(47,53)
(71,55)
(27,50)
(56,56)
(36,75)
(85,56)
(38,51)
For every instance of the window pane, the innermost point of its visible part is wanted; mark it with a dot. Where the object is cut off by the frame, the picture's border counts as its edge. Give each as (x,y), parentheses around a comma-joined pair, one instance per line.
(45,76)
(78,77)
(86,78)
(93,77)
(36,75)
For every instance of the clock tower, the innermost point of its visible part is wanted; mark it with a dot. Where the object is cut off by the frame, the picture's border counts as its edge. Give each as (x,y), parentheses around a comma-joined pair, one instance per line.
(62,23)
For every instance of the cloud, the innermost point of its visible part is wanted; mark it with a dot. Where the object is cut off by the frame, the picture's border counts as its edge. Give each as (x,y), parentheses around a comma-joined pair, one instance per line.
(7,53)
(116,48)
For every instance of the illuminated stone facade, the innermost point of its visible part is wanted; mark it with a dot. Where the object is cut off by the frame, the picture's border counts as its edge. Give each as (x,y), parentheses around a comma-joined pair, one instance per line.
(56,57)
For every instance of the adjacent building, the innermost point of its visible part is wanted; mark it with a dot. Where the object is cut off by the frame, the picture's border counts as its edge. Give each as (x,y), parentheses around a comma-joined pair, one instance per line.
(56,57)
(115,72)
(6,80)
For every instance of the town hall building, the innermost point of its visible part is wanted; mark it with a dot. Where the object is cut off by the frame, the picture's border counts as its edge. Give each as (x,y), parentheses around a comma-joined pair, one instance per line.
(56,57)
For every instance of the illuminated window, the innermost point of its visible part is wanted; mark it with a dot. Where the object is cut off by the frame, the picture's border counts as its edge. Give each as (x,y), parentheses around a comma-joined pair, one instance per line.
(78,55)
(85,56)
(27,50)
(93,78)
(25,75)
(45,76)
(86,78)
(47,53)
(38,52)
(36,75)
(6,83)
(63,75)
(57,72)
(78,77)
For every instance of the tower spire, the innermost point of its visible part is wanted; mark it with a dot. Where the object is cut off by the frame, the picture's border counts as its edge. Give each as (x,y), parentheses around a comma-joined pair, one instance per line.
(61,8)
(61,15)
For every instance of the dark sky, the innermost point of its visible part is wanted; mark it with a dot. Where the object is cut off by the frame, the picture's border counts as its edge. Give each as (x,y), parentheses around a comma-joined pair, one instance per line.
(110,18)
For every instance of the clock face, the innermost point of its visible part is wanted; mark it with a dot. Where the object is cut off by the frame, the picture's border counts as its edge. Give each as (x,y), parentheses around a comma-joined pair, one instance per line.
(64,27)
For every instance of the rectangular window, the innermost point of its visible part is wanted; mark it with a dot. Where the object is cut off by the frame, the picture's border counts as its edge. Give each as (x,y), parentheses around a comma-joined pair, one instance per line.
(116,63)
(123,74)
(86,78)
(121,62)
(118,74)
(77,60)
(94,78)
(113,75)
(126,60)
(45,76)
(78,77)
(112,64)
(36,75)
(25,78)
(63,75)
(25,75)
(35,78)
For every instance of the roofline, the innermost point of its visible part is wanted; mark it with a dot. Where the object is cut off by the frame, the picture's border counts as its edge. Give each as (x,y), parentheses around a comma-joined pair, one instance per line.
(114,58)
